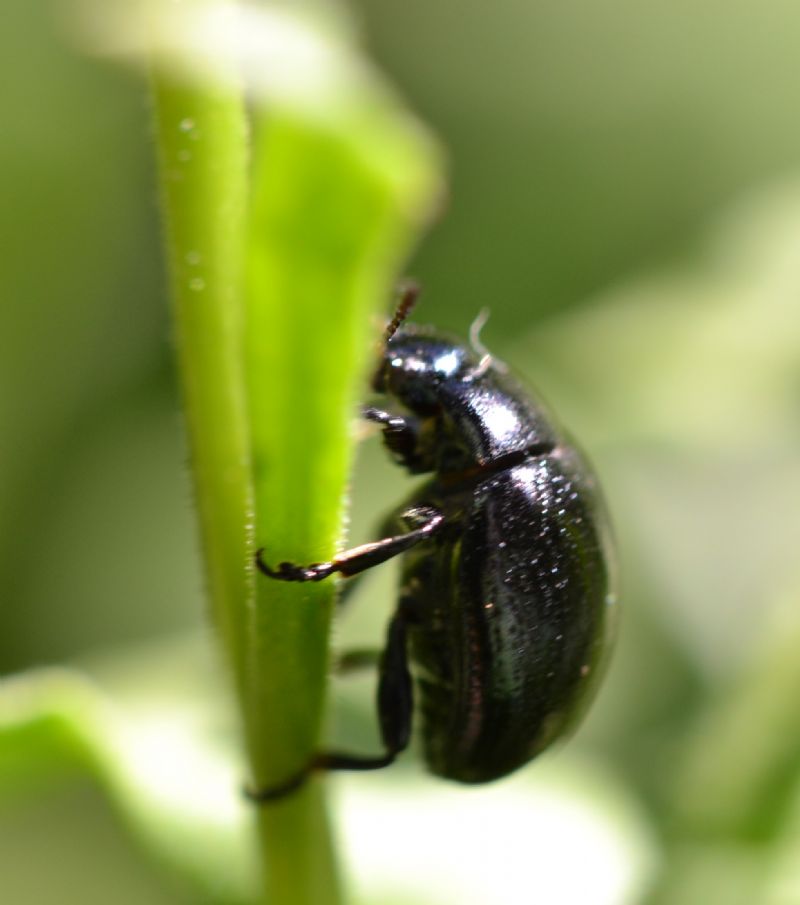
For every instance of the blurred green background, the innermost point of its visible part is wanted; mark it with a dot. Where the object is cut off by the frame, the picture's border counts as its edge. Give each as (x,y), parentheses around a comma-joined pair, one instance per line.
(625,197)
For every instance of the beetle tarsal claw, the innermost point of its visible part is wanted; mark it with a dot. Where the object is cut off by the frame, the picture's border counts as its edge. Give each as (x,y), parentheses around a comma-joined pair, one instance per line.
(288,571)
(263,567)
(285,571)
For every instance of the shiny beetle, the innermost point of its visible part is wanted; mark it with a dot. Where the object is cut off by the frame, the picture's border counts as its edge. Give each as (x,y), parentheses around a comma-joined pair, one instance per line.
(505,608)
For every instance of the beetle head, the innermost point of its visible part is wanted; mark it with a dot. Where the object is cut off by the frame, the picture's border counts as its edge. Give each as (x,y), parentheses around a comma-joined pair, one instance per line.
(415,361)
(424,371)
(414,371)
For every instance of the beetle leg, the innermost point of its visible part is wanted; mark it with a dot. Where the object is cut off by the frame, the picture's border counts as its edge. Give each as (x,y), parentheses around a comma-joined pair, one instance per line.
(395,691)
(354,660)
(401,436)
(386,528)
(400,432)
(395,704)
(325,760)
(387,419)
(426,520)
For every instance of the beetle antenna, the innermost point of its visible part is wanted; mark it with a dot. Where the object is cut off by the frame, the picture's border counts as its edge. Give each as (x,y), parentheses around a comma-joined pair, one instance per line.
(475,341)
(409,293)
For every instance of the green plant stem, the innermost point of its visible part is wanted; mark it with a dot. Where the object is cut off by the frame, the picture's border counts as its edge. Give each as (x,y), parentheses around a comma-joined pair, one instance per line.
(202,144)
(201,133)
(299,857)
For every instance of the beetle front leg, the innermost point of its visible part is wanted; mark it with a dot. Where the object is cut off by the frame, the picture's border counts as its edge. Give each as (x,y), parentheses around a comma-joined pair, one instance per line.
(388,420)
(426,519)
(402,436)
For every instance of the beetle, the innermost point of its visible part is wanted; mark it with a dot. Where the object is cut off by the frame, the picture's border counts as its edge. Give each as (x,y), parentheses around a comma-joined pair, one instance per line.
(506,604)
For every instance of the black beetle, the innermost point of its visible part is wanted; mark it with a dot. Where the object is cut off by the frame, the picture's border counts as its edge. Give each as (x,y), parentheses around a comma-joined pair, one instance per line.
(505,606)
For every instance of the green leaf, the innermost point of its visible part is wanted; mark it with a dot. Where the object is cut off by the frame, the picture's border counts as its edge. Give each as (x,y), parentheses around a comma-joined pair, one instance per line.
(157,747)
(743,760)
